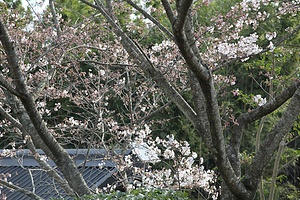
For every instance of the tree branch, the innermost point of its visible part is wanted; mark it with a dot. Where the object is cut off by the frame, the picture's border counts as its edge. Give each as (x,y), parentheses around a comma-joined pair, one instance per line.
(57,27)
(8,86)
(106,64)
(270,106)
(168,10)
(61,158)
(205,80)
(17,188)
(282,39)
(200,108)
(152,113)
(189,34)
(183,39)
(142,60)
(183,10)
(246,118)
(219,148)
(269,145)
(152,19)
(10,54)
(10,118)
(49,170)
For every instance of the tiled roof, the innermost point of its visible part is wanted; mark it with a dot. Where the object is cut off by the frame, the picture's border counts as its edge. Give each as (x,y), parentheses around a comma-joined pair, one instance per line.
(25,173)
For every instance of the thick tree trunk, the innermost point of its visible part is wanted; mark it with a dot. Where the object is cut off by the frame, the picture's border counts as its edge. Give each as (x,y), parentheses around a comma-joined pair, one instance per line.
(225,192)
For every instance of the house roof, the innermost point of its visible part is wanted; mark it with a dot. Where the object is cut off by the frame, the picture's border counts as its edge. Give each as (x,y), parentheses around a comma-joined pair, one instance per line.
(25,172)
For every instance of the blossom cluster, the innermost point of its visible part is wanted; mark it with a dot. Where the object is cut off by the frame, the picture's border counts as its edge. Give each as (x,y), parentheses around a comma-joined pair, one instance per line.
(8,153)
(167,58)
(245,47)
(259,100)
(182,167)
(225,38)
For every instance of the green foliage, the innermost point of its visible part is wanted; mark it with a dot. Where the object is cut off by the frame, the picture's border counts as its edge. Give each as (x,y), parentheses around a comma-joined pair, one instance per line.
(140,194)
(216,7)
(285,191)
(73,11)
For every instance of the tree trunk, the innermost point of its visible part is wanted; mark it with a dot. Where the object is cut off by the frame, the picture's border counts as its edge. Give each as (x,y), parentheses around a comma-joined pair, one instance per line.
(225,192)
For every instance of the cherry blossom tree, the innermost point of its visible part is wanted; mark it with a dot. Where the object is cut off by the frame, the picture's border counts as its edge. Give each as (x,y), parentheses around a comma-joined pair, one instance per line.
(95,84)
(222,43)
(72,86)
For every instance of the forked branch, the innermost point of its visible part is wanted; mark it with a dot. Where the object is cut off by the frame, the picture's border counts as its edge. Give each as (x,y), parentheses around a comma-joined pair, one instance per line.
(270,144)
(144,63)
(183,9)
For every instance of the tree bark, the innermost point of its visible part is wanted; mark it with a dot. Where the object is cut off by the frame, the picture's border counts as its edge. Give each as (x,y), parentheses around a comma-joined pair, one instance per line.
(271,143)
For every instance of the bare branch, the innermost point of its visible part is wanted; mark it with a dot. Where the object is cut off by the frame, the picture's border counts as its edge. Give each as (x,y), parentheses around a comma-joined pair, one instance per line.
(269,145)
(153,113)
(189,32)
(219,148)
(142,60)
(292,33)
(10,53)
(290,162)
(17,188)
(152,19)
(101,63)
(91,5)
(184,41)
(8,86)
(10,118)
(200,108)
(49,170)
(168,10)
(42,163)
(57,27)
(269,107)
(34,11)
(183,10)
(201,71)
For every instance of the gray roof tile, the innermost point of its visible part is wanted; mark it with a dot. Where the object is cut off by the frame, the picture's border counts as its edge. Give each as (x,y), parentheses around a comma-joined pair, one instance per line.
(32,178)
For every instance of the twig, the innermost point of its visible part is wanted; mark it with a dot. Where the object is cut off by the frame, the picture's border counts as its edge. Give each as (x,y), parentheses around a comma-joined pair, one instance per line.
(15,187)
(152,19)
